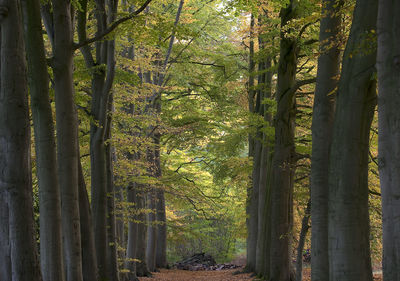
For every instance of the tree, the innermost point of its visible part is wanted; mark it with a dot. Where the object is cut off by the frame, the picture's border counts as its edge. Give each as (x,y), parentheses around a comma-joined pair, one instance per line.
(15,175)
(322,127)
(45,146)
(58,22)
(349,248)
(388,101)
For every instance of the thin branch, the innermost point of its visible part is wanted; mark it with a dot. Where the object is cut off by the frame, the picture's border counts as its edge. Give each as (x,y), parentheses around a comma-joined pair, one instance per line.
(112,27)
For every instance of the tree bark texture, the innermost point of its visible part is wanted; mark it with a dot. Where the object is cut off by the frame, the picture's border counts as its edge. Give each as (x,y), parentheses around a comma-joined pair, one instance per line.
(67,137)
(302,239)
(284,154)
(89,261)
(349,248)
(322,127)
(130,263)
(250,253)
(45,147)
(15,174)
(264,184)
(5,253)
(141,220)
(388,63)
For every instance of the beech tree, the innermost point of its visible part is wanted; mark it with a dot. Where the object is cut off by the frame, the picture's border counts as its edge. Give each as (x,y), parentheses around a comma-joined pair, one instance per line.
(348,234)
(322,127)
(388,101)
(20,253)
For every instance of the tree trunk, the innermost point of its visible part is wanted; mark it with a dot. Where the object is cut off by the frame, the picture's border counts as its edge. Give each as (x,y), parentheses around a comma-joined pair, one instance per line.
(389,133)
(161,250)
(111,222)
(45,146)
(140,200)
(5,254)
(15,173)
(322,127)
(130,264)
(67,137)
(161,246)
(284,159)
(250,251)
(264,207)
(349,248)
(89,261)
(302,238)
(151,229)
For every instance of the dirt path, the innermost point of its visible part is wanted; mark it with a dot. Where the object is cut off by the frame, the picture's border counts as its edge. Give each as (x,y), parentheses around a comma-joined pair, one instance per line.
(184,275)
(223,275)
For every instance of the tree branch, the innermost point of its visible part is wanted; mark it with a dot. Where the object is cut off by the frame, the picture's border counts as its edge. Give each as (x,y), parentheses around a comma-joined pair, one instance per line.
(112,27)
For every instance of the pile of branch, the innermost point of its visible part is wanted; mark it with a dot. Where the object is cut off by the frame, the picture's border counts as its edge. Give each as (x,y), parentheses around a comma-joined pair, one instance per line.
(202,261)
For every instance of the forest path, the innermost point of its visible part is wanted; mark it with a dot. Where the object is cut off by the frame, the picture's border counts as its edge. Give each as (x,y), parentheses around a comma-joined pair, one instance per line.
(184,275)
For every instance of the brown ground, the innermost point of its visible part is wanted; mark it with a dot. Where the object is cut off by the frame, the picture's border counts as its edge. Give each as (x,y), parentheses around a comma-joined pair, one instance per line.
(223,275)
(184,275)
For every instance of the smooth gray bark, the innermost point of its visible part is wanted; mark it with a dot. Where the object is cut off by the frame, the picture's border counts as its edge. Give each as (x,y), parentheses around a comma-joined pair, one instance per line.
(250,253)
(349,247)
(5,253)
(141,220)
(284,159)
(322,127)
(264,184)
(67,136)
(130,264)
(388,64)
(161,247)
(100,155)
(89,261)
(15,173)
(45,147)
(151,231)
(111,221)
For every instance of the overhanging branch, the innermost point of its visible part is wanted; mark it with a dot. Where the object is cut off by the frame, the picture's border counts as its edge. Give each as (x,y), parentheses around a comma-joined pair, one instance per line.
(112,27)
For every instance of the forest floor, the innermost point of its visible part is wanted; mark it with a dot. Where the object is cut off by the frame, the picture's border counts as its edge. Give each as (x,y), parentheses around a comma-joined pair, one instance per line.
(223,275)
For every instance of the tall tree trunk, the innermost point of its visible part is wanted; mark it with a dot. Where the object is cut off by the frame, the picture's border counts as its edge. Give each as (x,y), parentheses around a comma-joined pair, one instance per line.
(161,247)
(45,146)
(284,159)
(250,250)
(5,254)
(264,208)
(15,174)
(389,133)
(67,137)
(161,218)
(322,127)
(111,222)
(151,217)
(89,261)
(349,248)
